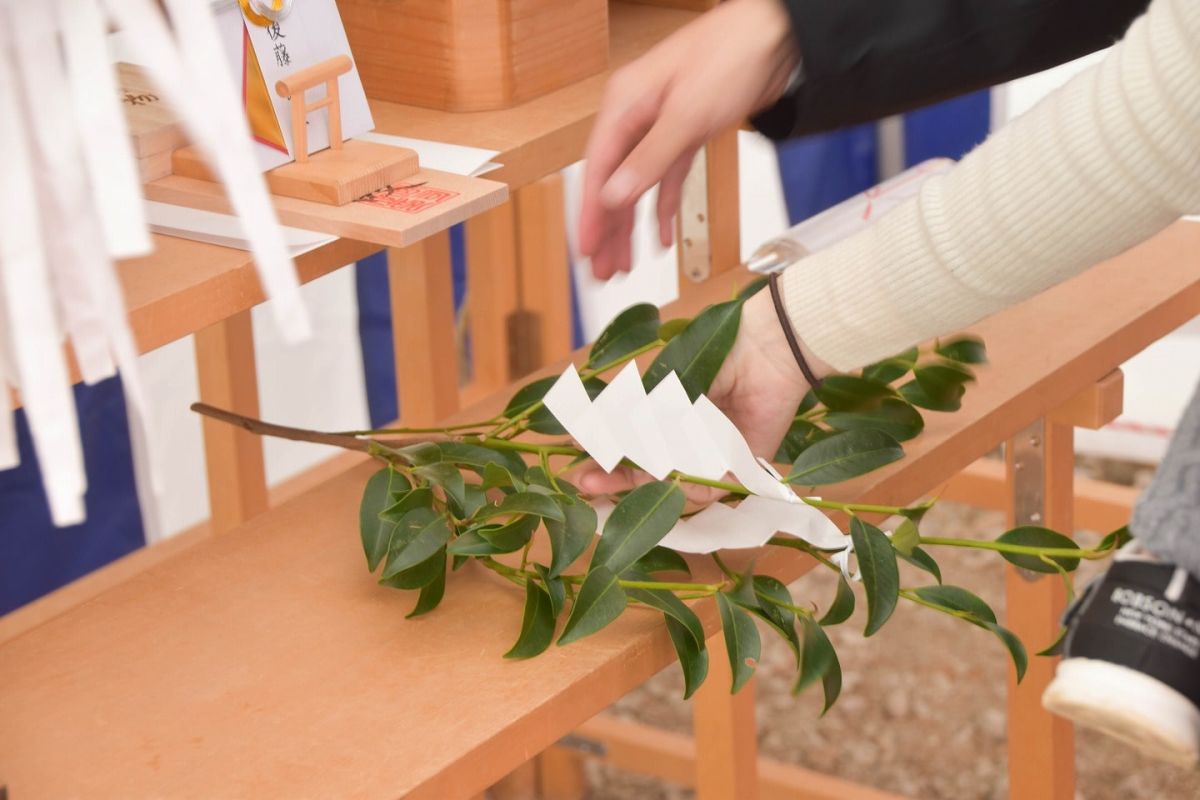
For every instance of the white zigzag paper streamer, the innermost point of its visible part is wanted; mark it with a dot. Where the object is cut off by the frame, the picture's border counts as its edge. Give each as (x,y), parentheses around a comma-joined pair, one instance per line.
(662,431)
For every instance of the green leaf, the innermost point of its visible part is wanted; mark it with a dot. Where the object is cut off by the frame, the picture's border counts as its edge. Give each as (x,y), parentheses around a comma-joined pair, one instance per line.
(782,620)
(511,536)
(479,457)
(471,543)
(851,392)
(420,575)
(881,577)
(1015,648)
(474,499)
(1055,648)
(893,416)
(417,537)
(599,602)
(922,560)
(965,349)
(431,594)
(570,538)
(800,436)
(893,368)
(842,606)
(693,657)
(696,355)
(672,328)
(538,505)
(537,624)
(637,524)
(420,454)
(752,288)
(819,661)
(417,498)
(377,495)
(957,599)
(541,420)
(1116,540)
(448,478)
(634,328)
(662,559)
(497,477)
(938,387)
(742,643)
(1033,536)
(844,456)
(906,537)
(672,607)
(554,588)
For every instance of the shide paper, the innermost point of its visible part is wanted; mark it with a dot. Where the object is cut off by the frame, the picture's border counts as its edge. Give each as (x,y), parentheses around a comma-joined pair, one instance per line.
(71,203)
(663,431)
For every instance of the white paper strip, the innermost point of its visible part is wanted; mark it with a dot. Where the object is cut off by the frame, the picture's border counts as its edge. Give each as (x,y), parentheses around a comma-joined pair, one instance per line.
(112,172)
(663,432)
(190,71)
(222,229)
(455,158)
(32,328)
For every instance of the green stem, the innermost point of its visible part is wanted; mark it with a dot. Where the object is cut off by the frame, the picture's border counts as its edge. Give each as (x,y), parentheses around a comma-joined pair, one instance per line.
(795,609)
(860,508)
(445,429)
(720,562)
(528,447)
(732,488)
(1019,549)
(909,594)
(704,588)
(804,547)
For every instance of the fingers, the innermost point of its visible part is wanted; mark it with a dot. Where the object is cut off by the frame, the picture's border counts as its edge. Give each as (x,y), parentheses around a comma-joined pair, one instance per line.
(595,481)
(670,193)
(676,131)
(615,251)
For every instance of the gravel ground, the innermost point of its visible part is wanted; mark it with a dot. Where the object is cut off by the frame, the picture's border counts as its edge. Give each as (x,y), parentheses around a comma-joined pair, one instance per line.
(922,709)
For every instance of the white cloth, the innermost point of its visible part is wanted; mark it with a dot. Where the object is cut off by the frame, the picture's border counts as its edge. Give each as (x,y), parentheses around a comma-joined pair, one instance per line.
(1100,165)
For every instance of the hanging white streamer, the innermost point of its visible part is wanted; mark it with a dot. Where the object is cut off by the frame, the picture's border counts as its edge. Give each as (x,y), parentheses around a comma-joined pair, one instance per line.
(32,326)
(190,71)
(694,439)
(108,152)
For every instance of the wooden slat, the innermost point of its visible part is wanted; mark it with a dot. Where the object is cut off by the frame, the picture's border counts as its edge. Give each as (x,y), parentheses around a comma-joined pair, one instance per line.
(233,458)
(548,133)
(1041,745)
(544,336)
(462,197)
(492,295)
(1099,505)
(231,668)
(1096,406)
(422,292)
(671,756)
(725,731)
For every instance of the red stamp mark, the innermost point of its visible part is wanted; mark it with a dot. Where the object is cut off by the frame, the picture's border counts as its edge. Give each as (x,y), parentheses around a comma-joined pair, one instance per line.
(409,199)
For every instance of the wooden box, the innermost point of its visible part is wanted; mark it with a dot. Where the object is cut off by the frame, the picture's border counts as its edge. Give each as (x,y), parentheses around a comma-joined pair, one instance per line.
(474,55)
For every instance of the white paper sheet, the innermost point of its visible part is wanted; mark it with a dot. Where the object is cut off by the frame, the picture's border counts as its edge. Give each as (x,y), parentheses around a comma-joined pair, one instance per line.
(456,158)
(223,229)
(692,438)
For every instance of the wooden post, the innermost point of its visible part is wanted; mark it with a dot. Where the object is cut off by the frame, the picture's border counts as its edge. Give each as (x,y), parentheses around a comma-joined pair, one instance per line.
(520,784)
(560,774)
(1041,746)
(422,299)
(543,332)
(492,296)
(708,230)
(225,369)
(726,733)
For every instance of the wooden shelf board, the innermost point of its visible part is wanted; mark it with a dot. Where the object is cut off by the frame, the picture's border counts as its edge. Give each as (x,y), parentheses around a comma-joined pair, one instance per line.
(549,132)
(267,663)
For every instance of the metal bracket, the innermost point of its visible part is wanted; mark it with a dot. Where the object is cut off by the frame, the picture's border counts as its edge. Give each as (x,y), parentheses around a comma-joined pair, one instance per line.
(695,249)
(1029,480)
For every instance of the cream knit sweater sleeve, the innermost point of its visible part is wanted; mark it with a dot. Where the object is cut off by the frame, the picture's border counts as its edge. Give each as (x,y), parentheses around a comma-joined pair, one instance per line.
(1098,166)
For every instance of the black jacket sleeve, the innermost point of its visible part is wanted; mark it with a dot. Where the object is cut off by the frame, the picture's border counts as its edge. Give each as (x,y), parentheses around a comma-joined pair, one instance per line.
(867,59)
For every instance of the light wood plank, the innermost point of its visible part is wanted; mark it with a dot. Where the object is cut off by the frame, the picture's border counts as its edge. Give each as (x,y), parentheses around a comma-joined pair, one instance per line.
(233,458)
(725,731)
(544,333)
(493,295)
(422,293)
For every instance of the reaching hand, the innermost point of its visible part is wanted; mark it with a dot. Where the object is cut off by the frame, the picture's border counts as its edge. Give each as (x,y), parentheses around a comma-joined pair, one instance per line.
(759,388)
(660,109)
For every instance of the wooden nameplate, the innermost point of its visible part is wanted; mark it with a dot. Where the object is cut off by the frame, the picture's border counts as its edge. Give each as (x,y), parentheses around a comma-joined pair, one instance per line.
(335,177)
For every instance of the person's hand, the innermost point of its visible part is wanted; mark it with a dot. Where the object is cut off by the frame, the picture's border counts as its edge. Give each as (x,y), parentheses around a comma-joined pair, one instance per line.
(759,387)
(659,110)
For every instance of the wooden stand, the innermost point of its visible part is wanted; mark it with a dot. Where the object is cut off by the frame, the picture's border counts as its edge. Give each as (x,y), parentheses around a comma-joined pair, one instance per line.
(337,176)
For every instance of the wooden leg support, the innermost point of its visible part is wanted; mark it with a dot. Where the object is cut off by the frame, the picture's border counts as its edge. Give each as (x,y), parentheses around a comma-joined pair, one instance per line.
(726,733)
(225,369)
(422,299)
(543,335)
(708,230)
(492,296)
